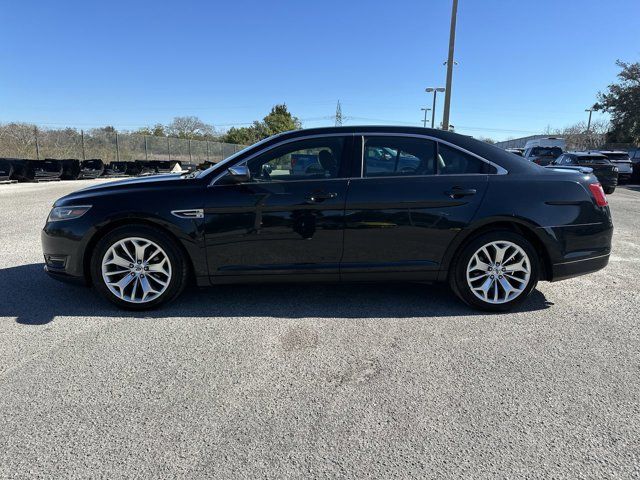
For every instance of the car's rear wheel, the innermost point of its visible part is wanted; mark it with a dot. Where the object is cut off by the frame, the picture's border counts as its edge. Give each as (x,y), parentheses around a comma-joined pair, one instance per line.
(609,190)
(138,267)
(495,271)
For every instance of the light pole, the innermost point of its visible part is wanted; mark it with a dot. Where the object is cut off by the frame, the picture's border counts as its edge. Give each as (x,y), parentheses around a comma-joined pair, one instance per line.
(435,91)
(590,110)
(424,122)
(450,62)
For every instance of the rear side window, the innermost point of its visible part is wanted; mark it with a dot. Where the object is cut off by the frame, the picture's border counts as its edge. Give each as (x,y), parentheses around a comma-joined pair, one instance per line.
(398,156)
(452,161)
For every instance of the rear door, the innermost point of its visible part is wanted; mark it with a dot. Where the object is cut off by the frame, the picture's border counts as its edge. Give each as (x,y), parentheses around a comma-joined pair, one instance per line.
(288,219)
(412,198)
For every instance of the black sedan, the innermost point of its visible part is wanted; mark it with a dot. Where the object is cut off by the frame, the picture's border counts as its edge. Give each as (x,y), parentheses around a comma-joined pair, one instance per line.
(602,167)
(436,206)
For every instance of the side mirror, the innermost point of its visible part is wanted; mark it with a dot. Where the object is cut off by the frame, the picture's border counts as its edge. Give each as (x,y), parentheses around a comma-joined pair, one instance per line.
(239,174)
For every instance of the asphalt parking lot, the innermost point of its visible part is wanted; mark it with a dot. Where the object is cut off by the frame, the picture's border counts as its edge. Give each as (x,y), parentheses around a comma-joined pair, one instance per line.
(361,381)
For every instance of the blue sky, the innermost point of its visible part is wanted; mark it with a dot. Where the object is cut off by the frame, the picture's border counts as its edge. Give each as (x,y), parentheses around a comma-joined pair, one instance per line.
(522,65)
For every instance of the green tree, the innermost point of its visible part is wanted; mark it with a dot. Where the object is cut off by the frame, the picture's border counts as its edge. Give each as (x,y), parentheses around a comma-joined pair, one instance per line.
(278,120)
(158,130)
(241,136)
(622,101)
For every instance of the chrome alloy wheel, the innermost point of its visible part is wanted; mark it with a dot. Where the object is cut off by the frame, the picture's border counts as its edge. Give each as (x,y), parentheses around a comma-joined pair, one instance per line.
(498,272)
(136,270)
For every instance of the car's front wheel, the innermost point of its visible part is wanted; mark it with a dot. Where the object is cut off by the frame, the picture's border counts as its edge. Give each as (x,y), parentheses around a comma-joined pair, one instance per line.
(495,271)
(138,267)
(609,190)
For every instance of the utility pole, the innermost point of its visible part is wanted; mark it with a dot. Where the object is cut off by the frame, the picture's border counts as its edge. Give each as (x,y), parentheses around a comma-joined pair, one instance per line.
(435,91)
(452,42)
(338,114)
(424,121)
(84,156)
(590,110)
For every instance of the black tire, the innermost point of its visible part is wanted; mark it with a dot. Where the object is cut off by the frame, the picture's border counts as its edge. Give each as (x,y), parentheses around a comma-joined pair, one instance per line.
(179,265)
(609,190)
(458,270)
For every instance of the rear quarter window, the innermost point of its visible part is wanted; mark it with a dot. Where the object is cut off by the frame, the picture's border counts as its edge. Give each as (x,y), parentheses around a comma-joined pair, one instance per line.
(452,161)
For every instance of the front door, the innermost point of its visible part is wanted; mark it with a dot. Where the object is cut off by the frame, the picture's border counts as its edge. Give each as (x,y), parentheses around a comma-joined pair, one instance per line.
(288,219)
(413,198)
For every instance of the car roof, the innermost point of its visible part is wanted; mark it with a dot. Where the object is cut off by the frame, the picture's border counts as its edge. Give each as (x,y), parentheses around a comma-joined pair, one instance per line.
(485,150)
(617,152)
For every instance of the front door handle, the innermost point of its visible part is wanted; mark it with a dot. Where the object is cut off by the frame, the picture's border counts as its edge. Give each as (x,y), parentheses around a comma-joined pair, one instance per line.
(317,197)
(459,192)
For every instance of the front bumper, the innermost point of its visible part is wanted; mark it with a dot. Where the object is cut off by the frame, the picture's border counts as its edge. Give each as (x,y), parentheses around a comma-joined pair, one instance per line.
(63,254)
(62,276)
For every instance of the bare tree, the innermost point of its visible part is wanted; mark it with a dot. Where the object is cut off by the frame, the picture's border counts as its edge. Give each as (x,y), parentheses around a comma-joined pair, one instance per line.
(18,139)
(190,127)
(578,138)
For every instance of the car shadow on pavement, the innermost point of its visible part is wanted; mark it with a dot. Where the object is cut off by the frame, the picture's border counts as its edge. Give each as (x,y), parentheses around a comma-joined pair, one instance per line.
(35,299)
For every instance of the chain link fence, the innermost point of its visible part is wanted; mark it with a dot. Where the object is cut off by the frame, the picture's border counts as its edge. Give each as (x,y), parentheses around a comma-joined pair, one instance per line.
(29,142)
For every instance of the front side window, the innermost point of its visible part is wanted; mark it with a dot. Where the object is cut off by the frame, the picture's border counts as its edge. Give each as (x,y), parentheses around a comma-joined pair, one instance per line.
(315,158)
(398,156)
(452,161)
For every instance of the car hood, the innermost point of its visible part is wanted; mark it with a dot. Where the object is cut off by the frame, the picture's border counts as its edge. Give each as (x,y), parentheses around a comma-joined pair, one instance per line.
(152,181)
(128,183)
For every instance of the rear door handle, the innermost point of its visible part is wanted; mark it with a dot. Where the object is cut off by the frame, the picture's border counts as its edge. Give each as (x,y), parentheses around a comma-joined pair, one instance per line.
(459,192)
(317,197)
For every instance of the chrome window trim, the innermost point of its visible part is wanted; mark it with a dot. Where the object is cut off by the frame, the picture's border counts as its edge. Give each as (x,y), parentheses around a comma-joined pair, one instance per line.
(499,170)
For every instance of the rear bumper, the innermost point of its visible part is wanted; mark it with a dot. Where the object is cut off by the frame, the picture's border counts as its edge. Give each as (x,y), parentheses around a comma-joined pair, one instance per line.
(562,271)
(608,181)
(577,249)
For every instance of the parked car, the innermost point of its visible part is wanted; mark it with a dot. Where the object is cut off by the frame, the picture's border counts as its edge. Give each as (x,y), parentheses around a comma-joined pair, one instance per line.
(516,151)
(634,156)
(603,169)
(621,160)
(466,212)
(544,150)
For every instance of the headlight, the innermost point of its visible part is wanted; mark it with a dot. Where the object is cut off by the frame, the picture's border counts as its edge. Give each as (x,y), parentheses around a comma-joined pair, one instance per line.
(615,169)
(67,213)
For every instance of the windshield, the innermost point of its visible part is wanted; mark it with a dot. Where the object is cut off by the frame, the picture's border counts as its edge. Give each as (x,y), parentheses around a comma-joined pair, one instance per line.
(554,152)
(232,157)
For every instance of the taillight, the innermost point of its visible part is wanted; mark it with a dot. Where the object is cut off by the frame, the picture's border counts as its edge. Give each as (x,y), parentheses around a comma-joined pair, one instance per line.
(598,194)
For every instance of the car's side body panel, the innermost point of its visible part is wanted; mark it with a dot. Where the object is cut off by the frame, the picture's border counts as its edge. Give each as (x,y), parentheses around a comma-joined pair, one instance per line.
(113,206)
(275,228)
(558,210)
(405,224)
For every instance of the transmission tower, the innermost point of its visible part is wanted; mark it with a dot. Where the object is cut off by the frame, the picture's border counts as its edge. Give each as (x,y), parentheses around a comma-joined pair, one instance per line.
(338,114)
